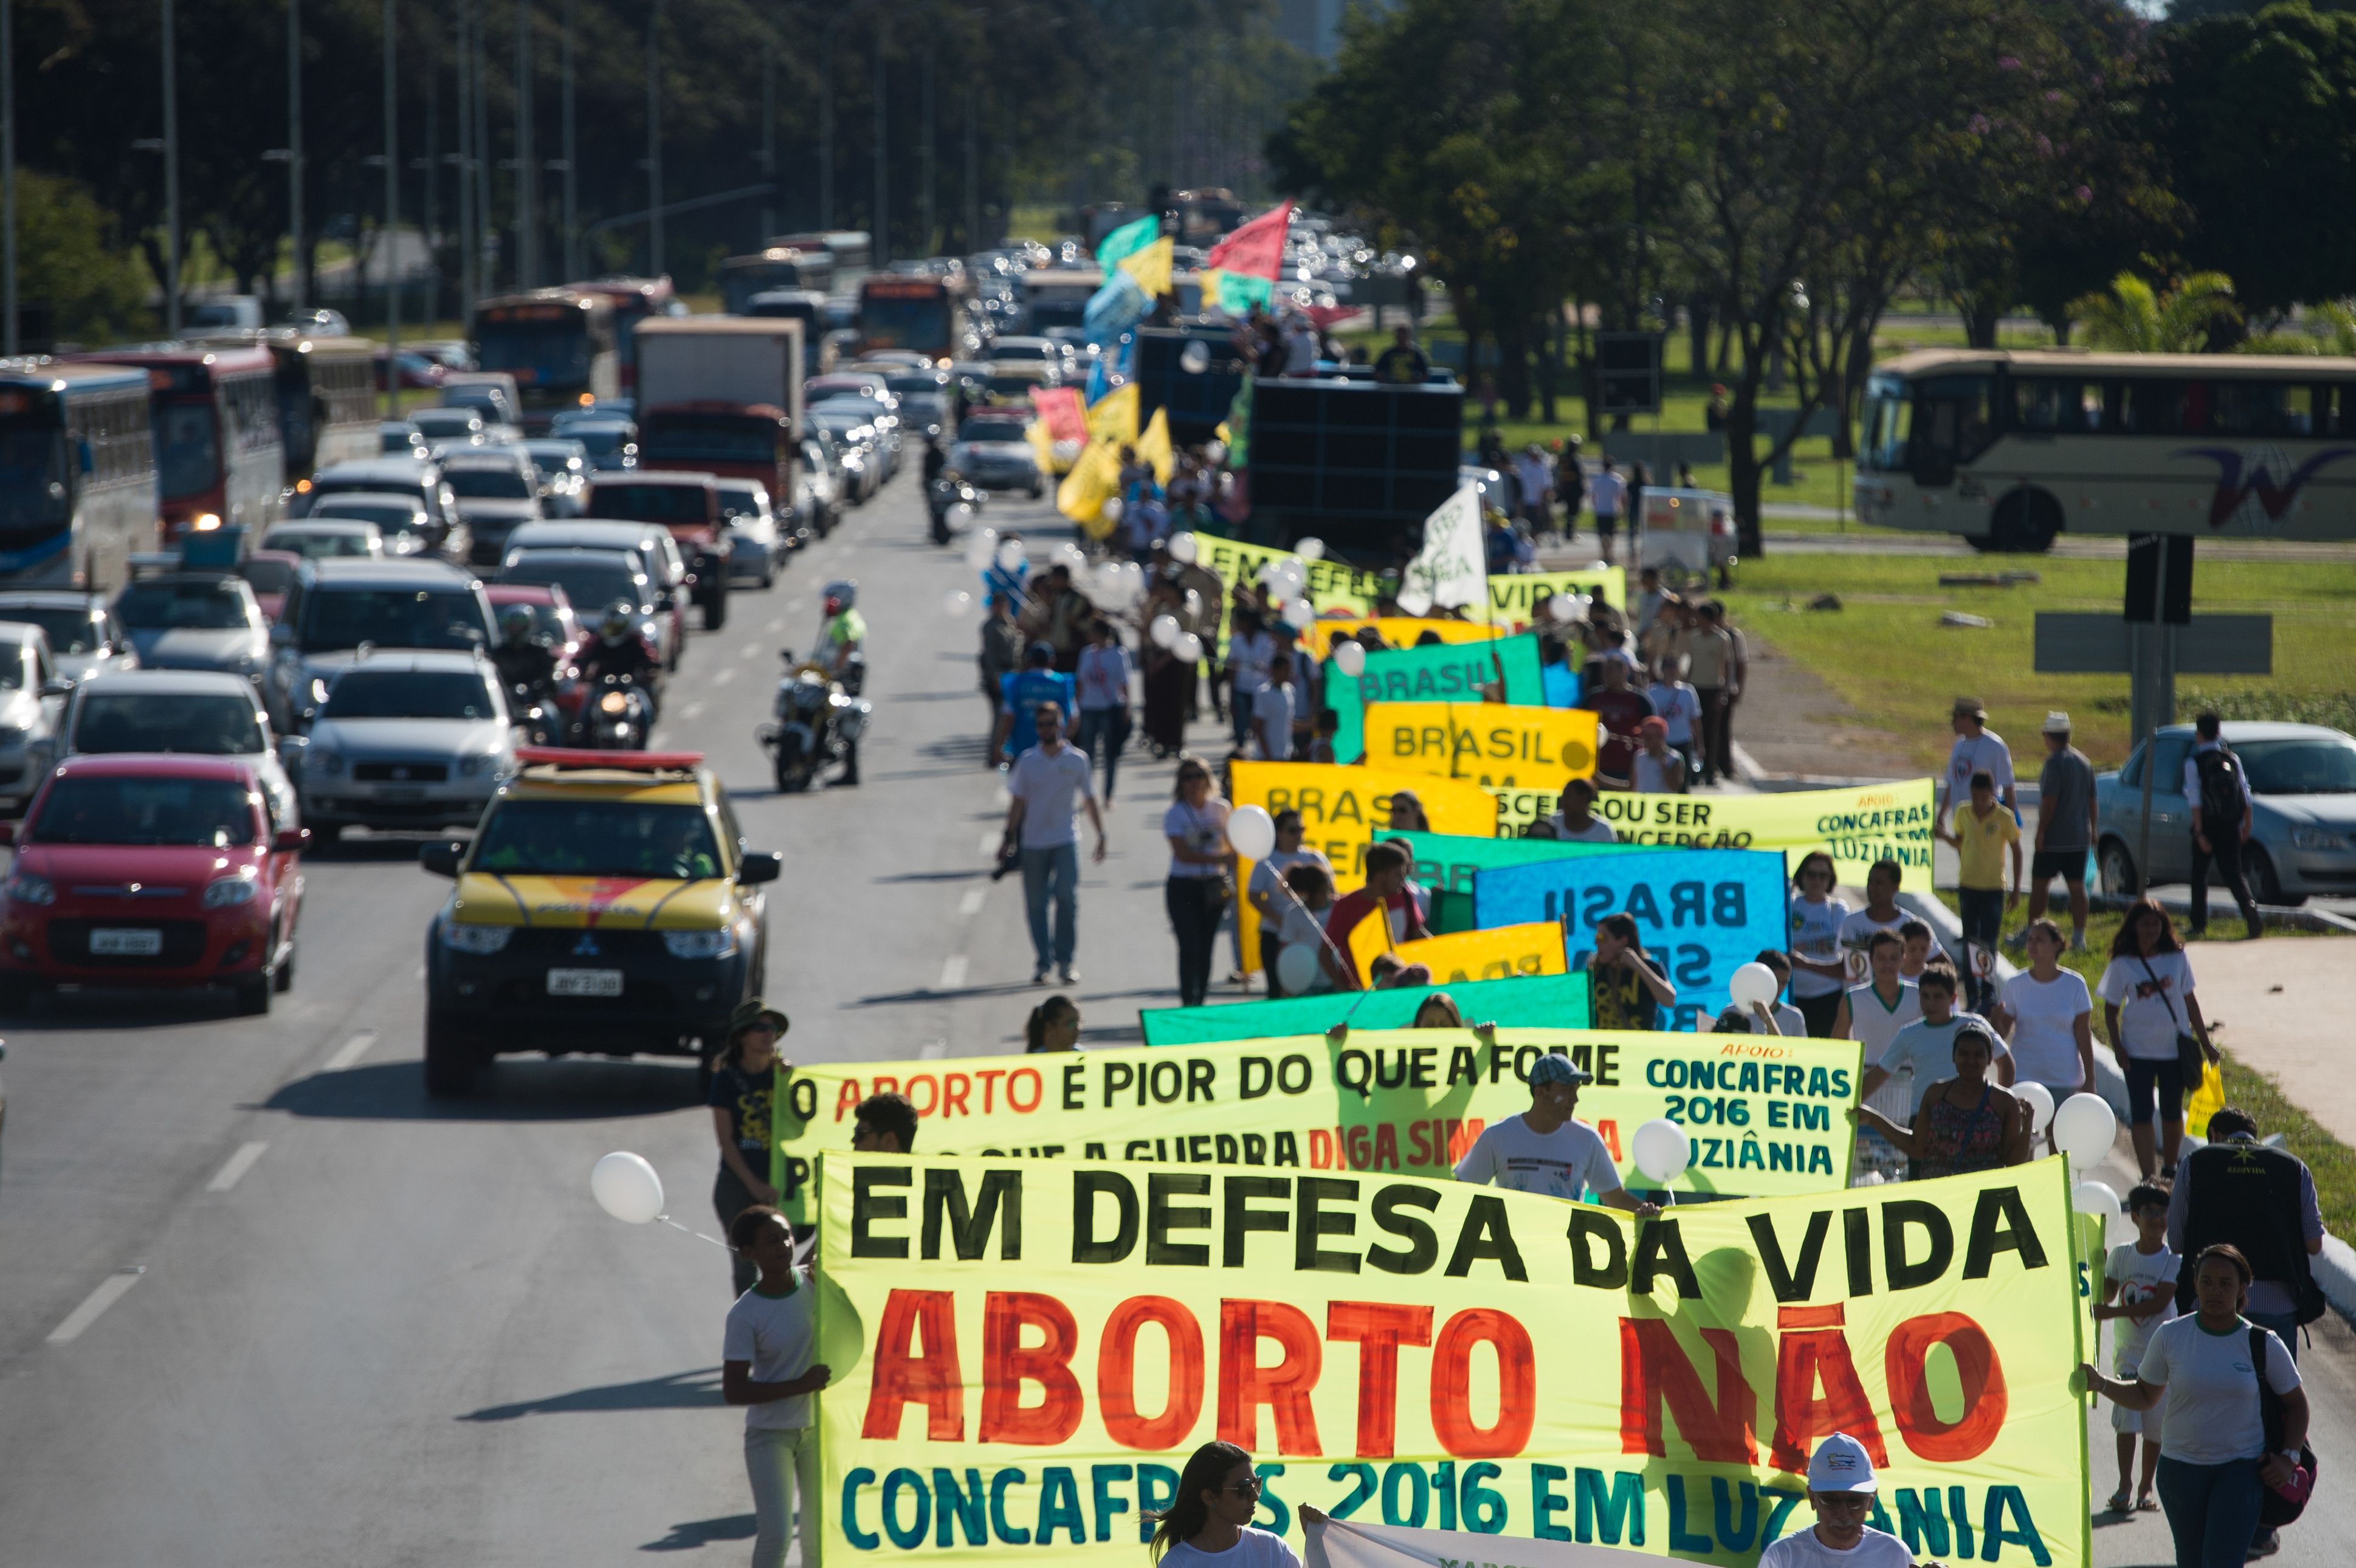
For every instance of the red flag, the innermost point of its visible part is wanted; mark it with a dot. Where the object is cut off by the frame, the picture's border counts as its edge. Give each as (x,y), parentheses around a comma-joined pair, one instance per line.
(1256,250)
(1060,409)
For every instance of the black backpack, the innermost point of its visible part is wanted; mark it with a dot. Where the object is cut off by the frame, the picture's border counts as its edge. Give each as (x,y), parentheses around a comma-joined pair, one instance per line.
(2220,785)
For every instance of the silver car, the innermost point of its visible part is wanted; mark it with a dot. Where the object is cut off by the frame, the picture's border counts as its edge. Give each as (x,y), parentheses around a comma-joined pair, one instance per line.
(754,544)
(32,700)
(85,639)
(992,452)
(185,711)
(412,739)
(2303,835)
(195,619)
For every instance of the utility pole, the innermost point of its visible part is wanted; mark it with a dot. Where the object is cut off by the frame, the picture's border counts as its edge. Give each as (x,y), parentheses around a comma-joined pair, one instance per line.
(768,138)
(485,231)
(301,296)
(881,239)
(654,142)
(392,226)
(469,253)
(9,343)
(572,161)
(924,240)
(172,177)
(972,174)
(527,172)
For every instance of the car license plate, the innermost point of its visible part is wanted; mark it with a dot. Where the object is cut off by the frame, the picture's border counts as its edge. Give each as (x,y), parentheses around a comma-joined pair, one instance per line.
(401,792)
(126,943)
(584,982)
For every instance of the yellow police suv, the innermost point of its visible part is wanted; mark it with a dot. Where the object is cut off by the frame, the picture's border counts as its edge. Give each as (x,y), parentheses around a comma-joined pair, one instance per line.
(605,906)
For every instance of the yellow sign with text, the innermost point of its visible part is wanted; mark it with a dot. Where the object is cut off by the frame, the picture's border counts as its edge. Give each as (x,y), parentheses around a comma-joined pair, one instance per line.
(1024,1353)
(1511,598)
(1491,743)
(1500,953)
(1855,826)
(1331,584)
(1396,631)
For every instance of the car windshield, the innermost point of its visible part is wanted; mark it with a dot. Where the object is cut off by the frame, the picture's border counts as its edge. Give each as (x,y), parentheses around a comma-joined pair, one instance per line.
(2303,766)
(600,441)
(547,620)
(383,514)
(393,618)
(207,606)
(322,490)
(745,503)
(651,502)
(487,483)
(399,443)
(593,580)
(320,544)
(410,694)
(71,628)
(553,457)
(87,809)
(991,430)
(212,724)
(447,422)
(266,576)
(597,839)
(729,438)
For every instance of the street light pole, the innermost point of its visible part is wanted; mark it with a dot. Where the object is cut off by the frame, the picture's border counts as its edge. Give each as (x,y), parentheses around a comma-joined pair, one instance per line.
(172,178)
(881,239)
(925,240)
(470,252)
(392,226)
(769,136)
(8,338)
(654,142)
(972,174)
(527,166)
(572,161)
(294,147)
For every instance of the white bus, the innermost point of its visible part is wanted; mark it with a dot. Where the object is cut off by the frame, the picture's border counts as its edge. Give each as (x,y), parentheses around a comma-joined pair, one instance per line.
(2011,448)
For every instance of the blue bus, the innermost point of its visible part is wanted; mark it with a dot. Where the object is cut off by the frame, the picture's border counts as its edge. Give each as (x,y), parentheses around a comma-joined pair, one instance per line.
(78,483)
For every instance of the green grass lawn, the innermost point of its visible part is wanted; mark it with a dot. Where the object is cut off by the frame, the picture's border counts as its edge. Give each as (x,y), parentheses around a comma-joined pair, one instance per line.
(1887,656)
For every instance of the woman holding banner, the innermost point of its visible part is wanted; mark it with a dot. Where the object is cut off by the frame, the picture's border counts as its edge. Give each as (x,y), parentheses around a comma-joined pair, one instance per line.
(1210,1521)
(1965,1123)
(1819,973)
(1626,991)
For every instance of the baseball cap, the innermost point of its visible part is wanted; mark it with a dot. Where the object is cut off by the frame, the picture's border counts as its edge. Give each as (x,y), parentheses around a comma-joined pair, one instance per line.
(1969,707)
(1554,1069)
(2057,722)
(1841,1465)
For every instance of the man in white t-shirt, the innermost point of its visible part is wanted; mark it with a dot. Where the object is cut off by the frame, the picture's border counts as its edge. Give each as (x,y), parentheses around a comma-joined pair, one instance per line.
(1977,749)
(1927,1046)
(1881,912)
(1548,1150)
(1049,784)
(765,1365)
(1273,706)
(1840,1488)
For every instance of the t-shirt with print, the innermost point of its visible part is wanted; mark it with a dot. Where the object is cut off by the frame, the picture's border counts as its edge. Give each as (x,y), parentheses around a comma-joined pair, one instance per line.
(1928,1050)
(2212,1416)
(1857,934)
(1875,1549)
(1253,1548)
(1679,707)
(1980,843)
(2044,1030)
(1984,752)
(1559,1163)
(2150,994)
(1019,697)
(2141,1277)
(777,1334)
(1203,829)
(745,1098)
(1815,936)
(1617,998)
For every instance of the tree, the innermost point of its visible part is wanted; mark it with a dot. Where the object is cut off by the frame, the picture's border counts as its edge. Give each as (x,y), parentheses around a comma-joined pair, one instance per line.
(2135,318)
(69,258)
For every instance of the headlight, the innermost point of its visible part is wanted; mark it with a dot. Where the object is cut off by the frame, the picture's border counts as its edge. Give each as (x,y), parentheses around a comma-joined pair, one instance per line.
(483,939)
(2316,838)
(230,893)
(469,766)
(319,690)
(27,889)
(721,944)
(207,522)
(612,702)
(329,762)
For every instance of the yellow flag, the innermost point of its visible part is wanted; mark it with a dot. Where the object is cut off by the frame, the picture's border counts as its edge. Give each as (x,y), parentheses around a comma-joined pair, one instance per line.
(1498,954)
(1114,417)
(1369,939)
(1153,447)
(1093,480)
(1150,267)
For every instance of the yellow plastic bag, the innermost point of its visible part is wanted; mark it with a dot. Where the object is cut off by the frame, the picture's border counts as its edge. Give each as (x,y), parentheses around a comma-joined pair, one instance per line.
(2207,1101)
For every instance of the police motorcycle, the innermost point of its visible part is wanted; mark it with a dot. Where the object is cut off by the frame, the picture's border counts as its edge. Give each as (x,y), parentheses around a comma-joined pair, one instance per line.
(955,507)
(819,720)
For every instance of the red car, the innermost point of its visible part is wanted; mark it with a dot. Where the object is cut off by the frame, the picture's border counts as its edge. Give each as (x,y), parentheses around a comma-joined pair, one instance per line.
(144,871)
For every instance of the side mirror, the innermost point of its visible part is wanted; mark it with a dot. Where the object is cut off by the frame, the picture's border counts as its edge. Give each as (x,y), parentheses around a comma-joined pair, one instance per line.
(290,751)
(288,840)
(762,866)
(442,857)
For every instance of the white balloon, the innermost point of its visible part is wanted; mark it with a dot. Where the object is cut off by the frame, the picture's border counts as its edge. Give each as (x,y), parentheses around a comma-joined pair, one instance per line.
(2083,1128)
(956,602)
(626,1188)
(1068,555)
(1312,549)
(1350,658)
(1753,982)
(1215,452)
(981,548)
(2094,1198)
(2040,1104)
(1010,555)
(1300,615)
(1252,832)
(1163,631)
(1111,509)
(1189,648)
(1296,968)
(1662,1150)
(1195,358)
(960,516)
(1193,604)
(1599,566)
(1568,608)
(1067,452)
(1182,548)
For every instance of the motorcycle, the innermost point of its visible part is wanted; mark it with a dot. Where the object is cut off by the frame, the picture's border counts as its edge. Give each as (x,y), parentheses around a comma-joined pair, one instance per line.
(534,708)
(819,720)
(612,715)
(944,496)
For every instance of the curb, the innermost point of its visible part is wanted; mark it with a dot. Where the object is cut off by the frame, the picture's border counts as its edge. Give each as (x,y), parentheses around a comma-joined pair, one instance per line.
(2335,1271)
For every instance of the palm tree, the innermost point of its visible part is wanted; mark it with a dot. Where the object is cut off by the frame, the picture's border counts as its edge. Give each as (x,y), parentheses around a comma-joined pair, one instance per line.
(2139,319)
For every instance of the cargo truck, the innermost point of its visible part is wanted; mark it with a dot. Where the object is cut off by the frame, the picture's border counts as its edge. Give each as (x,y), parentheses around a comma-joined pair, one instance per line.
(721,395)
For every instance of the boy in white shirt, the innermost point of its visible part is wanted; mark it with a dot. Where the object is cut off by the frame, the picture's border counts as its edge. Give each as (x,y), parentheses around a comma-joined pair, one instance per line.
(765,1365)
(2138,1294)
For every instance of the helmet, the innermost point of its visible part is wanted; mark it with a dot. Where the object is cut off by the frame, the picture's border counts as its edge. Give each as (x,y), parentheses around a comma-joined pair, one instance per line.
(617,623)
(841,595)
(517,624)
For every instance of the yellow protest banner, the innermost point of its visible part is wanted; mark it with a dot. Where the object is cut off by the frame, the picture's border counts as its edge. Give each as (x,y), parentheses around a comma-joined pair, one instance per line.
(1095,478)
(1511,597)
(1493,744)
(1855,826)
(1113,417)
(1331,584)
(1343,809)
(1396,631)
(1025,1352)
(1499,953)
(1402,1100)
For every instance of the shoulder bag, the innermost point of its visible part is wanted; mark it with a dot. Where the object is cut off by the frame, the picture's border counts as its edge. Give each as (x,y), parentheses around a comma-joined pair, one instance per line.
(2190,1058)
(2278,1506)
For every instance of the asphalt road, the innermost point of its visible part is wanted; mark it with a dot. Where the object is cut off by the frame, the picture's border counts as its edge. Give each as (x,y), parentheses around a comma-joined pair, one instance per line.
(370,1328)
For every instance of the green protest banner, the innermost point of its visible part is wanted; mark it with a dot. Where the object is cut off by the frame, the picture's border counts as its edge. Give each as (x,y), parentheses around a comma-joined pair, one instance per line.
(1440,672)
(1535,1001)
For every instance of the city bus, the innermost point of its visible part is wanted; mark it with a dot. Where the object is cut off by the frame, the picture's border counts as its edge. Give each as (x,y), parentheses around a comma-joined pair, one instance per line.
(78,492)
(2010,449)
(220,458)
(327,401)
(558,344)
(633,301)
(852,249)
(915,311)
(765,272)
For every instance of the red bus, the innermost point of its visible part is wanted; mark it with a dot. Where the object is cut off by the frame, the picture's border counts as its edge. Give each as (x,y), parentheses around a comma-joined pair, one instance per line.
(913,310)
(633,300)
(219,454)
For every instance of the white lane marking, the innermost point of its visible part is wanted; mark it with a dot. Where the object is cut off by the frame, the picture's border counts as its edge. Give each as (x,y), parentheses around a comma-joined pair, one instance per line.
(777,623)
(1003,798)
(934,1050)
(971,903)
(110,1290)
(727,673)
(351,1051)
(792,606)
(953,972)
(234,1170)
(990,843)
(749,651)
(691,711)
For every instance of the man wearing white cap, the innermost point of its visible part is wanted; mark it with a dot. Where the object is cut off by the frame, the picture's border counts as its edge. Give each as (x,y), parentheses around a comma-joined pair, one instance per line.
(1840,1488)
(2065,828)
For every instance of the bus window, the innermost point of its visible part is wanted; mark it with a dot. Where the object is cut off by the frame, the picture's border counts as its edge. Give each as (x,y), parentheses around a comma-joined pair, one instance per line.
(2051,403)
(2161,406)
(1882,439)
(1952,423)
(33,483)
(2250,408)
(187,448)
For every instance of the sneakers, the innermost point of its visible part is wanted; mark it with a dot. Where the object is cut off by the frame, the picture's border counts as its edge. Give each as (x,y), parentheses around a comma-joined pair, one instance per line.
(2077,942)
(1039,975)
(2265,1544)
(1071,976)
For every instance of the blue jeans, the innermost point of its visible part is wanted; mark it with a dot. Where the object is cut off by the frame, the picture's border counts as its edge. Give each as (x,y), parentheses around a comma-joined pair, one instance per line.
(2212,1511)
(1060,866)
(1239,708)
(1103,732)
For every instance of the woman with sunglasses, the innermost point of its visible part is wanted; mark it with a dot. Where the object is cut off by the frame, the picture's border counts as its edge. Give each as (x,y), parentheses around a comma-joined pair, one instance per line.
(1210,1522)
(1819,968)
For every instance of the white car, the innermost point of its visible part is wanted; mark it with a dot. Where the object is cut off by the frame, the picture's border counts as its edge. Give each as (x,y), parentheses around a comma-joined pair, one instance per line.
(32,697)
(192,712)
(412,739)
(322,537)
(755,544)
(85,639)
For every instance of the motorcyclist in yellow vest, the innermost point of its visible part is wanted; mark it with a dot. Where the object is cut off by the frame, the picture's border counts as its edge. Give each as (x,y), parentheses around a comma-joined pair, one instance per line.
(843,639)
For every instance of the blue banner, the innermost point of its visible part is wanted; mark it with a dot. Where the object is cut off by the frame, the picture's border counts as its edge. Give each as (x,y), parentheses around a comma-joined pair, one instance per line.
(1701,913)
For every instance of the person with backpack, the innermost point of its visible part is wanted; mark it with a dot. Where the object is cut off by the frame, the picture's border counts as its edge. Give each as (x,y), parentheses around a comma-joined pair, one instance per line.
(2217,789)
